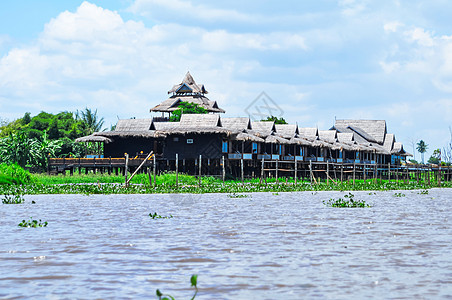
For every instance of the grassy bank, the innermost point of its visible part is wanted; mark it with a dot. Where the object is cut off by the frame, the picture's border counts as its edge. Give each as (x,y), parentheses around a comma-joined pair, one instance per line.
(166,183)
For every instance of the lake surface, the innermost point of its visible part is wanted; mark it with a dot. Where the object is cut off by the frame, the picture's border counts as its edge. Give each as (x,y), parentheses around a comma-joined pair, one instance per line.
(286,246)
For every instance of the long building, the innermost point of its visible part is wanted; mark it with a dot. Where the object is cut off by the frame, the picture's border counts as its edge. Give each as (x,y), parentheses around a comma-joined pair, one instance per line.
(215,137)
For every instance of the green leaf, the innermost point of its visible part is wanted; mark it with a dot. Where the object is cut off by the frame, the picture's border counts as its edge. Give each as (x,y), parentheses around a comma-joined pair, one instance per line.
(194,280)
(158,293)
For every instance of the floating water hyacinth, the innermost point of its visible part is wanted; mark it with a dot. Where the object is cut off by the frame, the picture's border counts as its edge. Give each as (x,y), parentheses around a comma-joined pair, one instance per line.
(32,223)
(347,201)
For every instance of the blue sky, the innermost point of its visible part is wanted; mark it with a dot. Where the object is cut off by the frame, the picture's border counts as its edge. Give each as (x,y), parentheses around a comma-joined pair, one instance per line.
(318,60)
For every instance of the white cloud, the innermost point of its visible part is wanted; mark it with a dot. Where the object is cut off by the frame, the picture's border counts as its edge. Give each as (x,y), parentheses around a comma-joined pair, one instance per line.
(188,10)
(392,26)
(420,36)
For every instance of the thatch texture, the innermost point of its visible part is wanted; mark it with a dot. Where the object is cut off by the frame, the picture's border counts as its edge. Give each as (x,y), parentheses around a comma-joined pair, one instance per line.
(307,132)
(300,141)
(200,120)
(286,130)
(248,137)
(263,128)
(272,139)
(124,125)
(123,134)
(188,85)
(345,137)
(93,138)
(328,135)
(196,130)
(238,124)
(375,128)
(187,91)
(389,142)
(165,125)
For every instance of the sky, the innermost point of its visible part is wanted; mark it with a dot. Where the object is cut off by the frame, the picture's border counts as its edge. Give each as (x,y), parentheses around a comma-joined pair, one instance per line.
(315,61)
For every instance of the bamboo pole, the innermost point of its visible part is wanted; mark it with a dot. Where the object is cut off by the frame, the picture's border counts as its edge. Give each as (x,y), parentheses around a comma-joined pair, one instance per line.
(276,172)
(199,169)
(154,166)
(177,170)
(296,169)
(126,170)
(136,171)
(389,172)
(223,166)
(327,172)
(262,170)
(241,169)
(354,172)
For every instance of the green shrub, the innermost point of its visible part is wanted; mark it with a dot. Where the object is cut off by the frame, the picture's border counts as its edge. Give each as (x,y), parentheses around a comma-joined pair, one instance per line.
(14,174)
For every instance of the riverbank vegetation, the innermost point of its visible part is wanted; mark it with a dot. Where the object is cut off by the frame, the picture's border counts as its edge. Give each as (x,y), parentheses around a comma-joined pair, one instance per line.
(16,180)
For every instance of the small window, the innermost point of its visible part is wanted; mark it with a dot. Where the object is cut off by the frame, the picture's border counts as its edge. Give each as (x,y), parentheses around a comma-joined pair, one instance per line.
(189,141)
(176,139)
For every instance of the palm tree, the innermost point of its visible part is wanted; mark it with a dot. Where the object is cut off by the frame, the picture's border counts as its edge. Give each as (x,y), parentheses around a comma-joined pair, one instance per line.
(91,120)
(422,148)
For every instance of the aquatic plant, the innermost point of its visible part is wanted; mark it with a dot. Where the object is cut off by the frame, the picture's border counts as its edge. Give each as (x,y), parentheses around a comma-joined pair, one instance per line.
(275,194)
(235,195)
(194,283)
(399,195)
(347,201)
(423,192)
(32,223)
(157,216)
(14,197)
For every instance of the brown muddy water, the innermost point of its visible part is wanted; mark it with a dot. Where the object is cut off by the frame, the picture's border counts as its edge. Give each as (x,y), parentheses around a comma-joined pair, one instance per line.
(266,246)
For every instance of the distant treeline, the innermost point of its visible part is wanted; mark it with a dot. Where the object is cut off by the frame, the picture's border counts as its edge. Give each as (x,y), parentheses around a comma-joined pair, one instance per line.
(28,141)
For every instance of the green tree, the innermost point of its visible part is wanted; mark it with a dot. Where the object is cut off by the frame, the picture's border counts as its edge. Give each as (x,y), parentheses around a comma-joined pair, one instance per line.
(186,108)
(435,157)
(93,123)
(26,118)
(422,148)
(275,119)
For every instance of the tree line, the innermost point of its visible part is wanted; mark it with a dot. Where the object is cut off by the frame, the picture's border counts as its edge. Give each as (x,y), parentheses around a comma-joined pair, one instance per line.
(28,141)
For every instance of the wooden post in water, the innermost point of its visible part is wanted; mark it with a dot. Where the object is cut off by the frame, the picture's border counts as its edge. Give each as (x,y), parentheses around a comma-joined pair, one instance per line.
(154,166)
(296,169)
(354,172)
(364,171)
(241,169)
(262,169)
(126,169)
(150,177)
(276,172)
(310,170)
(327,172)
(224,170)
(177,170)
(375,172)
(200,169)
(389,172)
(342,172)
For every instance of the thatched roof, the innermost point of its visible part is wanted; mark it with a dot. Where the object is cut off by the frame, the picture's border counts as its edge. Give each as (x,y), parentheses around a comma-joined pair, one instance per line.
(344,137)
(196,130)
(389,142)
(171,104)
(188,85)
(300,141)
(328,135)
(165,125)
(93,138)
(141,133)
(398,150)
(236,123)
(187,91)
(263,127)
(272,139)
(287,130)
(307,132)
(374,128)
(247,137)
(124,125)
(200,120)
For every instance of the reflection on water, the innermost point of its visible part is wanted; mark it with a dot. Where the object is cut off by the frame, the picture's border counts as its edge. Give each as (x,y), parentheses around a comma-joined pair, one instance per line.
(285,246)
